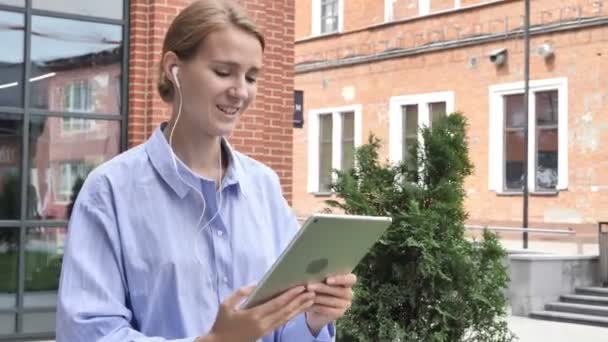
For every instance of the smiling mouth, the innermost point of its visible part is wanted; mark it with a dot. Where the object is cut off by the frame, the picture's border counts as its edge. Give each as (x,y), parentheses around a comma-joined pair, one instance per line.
(228,109)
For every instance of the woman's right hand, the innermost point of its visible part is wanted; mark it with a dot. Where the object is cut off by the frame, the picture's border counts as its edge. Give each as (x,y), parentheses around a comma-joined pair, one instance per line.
(235,325)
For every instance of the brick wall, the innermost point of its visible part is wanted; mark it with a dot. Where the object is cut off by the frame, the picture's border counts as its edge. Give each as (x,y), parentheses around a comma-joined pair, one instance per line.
(265,131)
(577,52)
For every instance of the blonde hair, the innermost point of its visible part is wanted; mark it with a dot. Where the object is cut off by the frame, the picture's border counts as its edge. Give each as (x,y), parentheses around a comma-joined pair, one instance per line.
(192,25)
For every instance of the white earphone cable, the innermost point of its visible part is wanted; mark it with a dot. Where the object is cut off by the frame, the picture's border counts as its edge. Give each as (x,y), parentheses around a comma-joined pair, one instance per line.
(219,187)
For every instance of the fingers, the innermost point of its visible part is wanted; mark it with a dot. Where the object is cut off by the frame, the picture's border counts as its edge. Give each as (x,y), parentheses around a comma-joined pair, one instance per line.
(240,294)
(332,302)
(334,291)
(297,306)
(280,302)
(346,280)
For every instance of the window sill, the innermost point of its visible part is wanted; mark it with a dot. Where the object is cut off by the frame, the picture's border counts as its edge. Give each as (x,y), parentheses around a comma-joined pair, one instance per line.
(322,194)
(533,194)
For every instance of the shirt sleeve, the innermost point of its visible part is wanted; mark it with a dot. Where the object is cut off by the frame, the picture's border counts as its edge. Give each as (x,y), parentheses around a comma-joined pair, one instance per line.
(296,330)
(92,295)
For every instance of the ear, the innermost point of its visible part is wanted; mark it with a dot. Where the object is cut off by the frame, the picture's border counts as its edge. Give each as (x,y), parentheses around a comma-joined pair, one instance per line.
(170,60)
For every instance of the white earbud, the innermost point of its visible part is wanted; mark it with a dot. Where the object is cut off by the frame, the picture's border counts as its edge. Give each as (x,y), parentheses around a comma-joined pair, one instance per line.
(174,71)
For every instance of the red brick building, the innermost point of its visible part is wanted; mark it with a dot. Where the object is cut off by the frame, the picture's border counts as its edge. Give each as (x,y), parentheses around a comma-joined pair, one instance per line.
(77,87)
(392,66)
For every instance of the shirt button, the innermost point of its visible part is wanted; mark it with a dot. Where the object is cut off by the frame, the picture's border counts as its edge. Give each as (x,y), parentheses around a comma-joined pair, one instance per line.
(225,280)
(220,233)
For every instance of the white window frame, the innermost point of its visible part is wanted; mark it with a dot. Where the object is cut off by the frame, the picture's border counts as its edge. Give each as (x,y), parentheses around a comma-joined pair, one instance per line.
(424,8)
(396,117)
(316,18)
(313,140)
(496,131)
(67,177)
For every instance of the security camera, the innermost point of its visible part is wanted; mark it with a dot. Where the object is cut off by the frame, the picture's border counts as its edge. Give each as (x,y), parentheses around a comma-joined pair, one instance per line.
(498,56)
(546,50)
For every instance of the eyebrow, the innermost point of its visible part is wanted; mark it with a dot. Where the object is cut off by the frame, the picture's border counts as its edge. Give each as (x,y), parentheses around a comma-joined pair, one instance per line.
(235,64)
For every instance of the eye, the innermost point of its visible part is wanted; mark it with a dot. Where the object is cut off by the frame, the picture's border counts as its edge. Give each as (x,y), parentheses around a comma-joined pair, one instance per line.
(251,79)
(221,73)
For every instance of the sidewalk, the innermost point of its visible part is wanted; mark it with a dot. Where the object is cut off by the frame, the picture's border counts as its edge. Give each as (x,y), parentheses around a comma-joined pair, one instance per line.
(533,330)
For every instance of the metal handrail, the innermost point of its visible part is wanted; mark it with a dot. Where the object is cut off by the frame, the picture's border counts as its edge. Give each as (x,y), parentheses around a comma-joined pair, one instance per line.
(547,231)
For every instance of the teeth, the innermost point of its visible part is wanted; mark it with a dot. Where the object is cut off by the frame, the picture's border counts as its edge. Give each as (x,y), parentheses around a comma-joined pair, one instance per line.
(228,110)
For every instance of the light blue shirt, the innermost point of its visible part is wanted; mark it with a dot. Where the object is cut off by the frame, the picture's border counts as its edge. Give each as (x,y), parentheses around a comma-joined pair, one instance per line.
(129,270)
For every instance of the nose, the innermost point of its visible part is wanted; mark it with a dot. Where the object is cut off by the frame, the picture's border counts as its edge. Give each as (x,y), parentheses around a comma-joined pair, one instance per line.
(239,90)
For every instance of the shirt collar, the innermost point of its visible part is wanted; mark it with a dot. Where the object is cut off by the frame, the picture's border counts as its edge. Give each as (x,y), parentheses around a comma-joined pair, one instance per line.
(160,155)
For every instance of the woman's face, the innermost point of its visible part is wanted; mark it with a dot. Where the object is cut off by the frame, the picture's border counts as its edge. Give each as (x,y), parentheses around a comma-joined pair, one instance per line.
(219,83)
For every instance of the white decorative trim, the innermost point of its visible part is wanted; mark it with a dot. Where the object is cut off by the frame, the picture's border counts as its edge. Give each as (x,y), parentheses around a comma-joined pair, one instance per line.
(496,132)
(457,4)
(388,10)
(396,117)
(313,139)
(424,7)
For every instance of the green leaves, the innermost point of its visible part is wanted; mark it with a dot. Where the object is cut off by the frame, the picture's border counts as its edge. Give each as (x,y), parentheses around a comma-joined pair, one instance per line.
(423,281)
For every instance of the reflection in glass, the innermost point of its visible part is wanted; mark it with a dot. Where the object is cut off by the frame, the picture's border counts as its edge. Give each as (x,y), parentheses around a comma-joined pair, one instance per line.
(108,8)
(9,253)
(7,324)
(63,152)
(75,66)
(546,140)
(43,256)
(10,166)
(410,132)
(348,140)
(11,60)
(20,3)
(326,152)
(39,322)
(514,111)
(437,111)
(514,160)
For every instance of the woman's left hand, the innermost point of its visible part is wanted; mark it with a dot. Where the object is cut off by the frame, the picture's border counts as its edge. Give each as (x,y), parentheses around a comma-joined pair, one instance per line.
(333,298)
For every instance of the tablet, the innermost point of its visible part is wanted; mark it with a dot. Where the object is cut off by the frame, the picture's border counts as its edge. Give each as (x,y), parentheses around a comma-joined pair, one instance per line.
(325,245)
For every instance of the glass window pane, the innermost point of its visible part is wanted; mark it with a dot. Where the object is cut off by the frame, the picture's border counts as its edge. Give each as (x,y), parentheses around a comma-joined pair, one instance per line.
(43,256)
(107,9)
(514,111)
(325,152)
(39,322)
(546,159)
(63,151)
(10,167)
(514,160)
(7,324)
(11,59)
(348,140)
(546,108)
(20,3)
(410,129)
(76,66)
(437,111)
(9,253)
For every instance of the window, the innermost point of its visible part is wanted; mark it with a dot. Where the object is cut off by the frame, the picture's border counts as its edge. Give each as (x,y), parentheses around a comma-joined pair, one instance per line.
(400,9)
(327,16)
(547,150)
(69,173)
(333,135)
(410,113)
(78,97)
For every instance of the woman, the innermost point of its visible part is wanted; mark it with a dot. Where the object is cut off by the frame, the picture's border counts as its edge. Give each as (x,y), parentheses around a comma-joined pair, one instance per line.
(164,239)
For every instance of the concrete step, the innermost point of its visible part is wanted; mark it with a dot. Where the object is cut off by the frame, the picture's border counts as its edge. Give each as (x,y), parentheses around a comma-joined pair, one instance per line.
(587,300)
(592,291)
(570,318)
(582,309)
